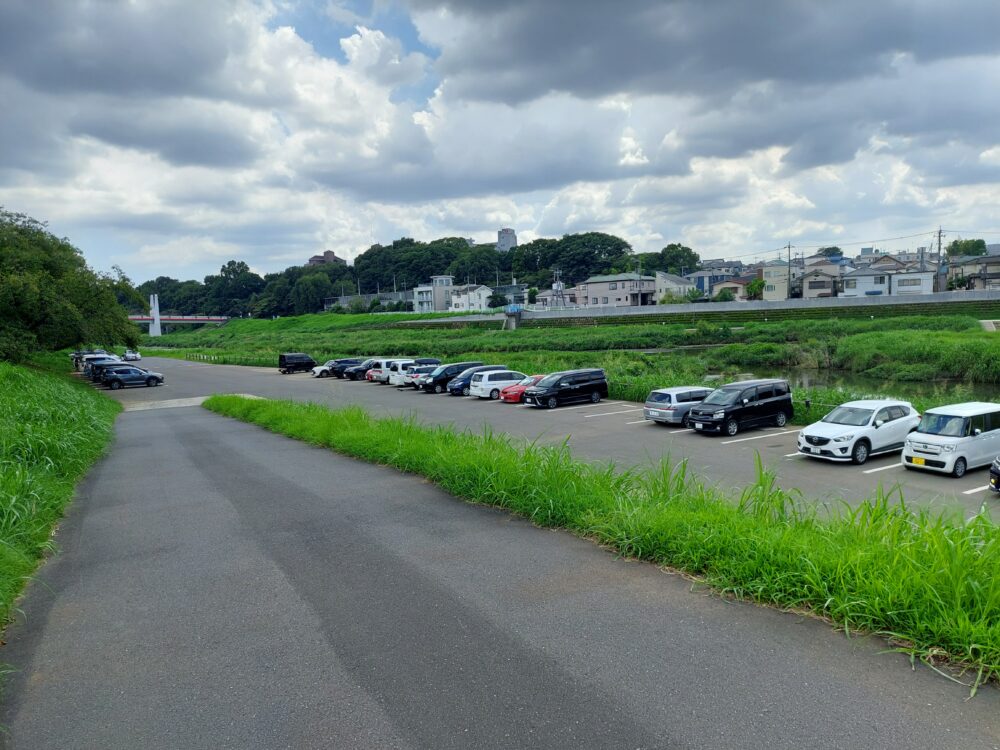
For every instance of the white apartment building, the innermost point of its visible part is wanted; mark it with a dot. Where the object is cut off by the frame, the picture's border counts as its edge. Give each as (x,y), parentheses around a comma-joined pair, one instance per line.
(506,240)
(876,283)
(776,277)
(617,290)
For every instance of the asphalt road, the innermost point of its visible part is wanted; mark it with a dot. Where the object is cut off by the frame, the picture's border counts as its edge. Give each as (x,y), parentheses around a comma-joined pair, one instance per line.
(611,430)
(219,586)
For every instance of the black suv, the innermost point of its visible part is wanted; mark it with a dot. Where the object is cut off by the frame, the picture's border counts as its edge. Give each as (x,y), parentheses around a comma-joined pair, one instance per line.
(438,380)
(295,362)
(358,372)
(565,387)
(338,369)
(748,403)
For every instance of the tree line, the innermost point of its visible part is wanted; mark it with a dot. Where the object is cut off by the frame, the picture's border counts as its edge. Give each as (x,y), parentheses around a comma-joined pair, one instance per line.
(405,263)
(50,299)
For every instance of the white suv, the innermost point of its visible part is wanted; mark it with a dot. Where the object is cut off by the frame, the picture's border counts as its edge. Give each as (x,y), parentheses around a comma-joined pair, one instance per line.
(489,384)
(859,429)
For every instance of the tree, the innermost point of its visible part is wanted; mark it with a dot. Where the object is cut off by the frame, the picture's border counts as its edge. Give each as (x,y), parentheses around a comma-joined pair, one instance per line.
(830,252)
(497,300)
(532,295)
(678,259)
(309,292)
(50,299)
(755,289)
(725,295)
(694,293)
(966,247)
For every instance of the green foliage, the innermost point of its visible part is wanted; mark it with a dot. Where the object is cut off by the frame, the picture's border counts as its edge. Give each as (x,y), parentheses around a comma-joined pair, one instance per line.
(927,580)
(755,289)
(53,430)
(725,295)
(532,295)
(50,299)
(830,252)
(497,300)
(966,247)
(309,292)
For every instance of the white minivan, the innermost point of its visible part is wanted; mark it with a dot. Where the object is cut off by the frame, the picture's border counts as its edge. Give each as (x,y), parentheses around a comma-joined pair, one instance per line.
(952,439)
(489,384)
(398,368)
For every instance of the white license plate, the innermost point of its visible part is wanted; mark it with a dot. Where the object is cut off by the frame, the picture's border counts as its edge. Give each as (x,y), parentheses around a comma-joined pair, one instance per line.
(654,413)
(699,426)
(529,400)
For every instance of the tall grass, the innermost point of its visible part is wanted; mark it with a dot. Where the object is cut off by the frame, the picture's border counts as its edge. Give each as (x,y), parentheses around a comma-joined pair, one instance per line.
(927,581)
(52,431)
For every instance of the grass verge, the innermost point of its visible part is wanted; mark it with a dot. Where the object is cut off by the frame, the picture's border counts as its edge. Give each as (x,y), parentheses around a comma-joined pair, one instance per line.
(53,431)
(926,581)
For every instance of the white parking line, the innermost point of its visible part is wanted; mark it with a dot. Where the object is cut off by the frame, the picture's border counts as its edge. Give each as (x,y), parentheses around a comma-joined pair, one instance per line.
(758,437)
(591,406)
(609,413)
(641,421)
(977,489)
(676,432)
(794,455)
(882,468)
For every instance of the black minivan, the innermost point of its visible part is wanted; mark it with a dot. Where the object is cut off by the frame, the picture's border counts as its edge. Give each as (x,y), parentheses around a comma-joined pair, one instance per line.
(566,387)
(295,362)
(437,381)
(747,403)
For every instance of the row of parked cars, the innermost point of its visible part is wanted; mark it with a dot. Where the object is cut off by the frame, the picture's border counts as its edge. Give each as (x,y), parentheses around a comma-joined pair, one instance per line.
(114,371)
(949,439)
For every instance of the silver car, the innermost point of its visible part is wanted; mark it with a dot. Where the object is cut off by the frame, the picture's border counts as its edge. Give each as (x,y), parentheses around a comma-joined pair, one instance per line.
(671,405)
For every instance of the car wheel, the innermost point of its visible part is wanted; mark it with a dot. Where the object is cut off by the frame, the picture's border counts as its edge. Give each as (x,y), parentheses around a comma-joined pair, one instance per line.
(960,467)
(439,388)
(595,397)
(150,382)
(115,385)
(860,453)
(466,391)
(686,422)
(322,374)
(732,427)
(494,394)
(781,419)
(552,403)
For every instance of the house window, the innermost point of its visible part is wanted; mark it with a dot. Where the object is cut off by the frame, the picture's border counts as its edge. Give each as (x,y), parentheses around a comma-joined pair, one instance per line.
(819,284)
(908,282)
(593,300)
(850,283)
(604,300)
(613,285)
(880,280)
(769,287)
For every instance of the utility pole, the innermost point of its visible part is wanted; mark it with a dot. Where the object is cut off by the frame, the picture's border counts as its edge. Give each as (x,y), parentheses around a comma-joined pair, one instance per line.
(788,289)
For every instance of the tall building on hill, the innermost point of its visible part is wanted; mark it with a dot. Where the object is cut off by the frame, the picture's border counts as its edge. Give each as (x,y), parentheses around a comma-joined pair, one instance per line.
(506,240)
(327,257)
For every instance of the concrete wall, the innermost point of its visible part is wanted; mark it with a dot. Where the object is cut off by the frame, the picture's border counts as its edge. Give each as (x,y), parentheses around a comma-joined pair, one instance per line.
(942,298)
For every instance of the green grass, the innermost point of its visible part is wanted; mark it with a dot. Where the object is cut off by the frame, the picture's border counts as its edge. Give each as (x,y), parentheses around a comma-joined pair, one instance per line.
(926,581)
(53,431)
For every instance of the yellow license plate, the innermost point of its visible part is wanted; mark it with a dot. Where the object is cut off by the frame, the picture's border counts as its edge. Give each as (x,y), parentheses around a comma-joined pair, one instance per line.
(918,461)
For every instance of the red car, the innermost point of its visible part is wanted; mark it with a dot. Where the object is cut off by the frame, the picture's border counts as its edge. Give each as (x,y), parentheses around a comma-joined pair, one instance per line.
(370,375)
(514,394)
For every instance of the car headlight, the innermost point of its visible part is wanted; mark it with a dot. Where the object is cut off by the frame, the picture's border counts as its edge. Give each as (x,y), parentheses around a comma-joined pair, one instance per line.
(948,448)
(844,438)
(719,415)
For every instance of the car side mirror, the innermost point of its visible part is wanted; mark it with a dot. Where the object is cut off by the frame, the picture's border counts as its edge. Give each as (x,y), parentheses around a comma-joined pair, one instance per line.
(977,431)
(878,423)
(746,401)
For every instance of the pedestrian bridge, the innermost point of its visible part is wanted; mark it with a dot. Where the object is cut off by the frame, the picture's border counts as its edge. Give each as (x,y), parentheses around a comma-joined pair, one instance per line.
(154,320)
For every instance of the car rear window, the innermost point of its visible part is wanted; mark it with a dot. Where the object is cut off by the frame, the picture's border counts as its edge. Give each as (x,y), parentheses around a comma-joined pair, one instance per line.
(658,398)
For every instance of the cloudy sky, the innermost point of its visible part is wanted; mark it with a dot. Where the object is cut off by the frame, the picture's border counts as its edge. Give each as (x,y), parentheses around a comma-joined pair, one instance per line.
(168,136)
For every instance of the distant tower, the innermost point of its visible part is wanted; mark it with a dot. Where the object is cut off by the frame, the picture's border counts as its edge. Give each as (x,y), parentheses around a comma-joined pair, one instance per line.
(558,289)
(506,240)
(154,311)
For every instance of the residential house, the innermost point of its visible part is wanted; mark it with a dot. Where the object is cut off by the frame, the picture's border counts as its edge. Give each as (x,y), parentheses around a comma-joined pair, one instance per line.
(816,283)
(978,271)
(776,277)
(738,286)
(618,290)
(470,298)
(548,297)
(668,283)
(887,263)
(516,294)
(872,282)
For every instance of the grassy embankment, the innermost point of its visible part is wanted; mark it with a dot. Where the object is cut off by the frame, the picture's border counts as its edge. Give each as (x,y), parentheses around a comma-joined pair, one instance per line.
(895,350)
(927,582)
(53,431)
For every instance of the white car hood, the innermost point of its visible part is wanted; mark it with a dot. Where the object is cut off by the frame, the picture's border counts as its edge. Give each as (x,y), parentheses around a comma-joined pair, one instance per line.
(830,430)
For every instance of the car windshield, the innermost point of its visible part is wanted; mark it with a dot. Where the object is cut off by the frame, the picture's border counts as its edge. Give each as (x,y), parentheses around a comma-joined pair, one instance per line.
(722,397)
(849,415)
(530,380)
(438,370)
(658,398)
(549,380)
(466,373)
(943,424)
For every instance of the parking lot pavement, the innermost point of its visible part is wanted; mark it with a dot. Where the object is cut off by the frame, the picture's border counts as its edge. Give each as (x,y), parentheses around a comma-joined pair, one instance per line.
(611,430)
